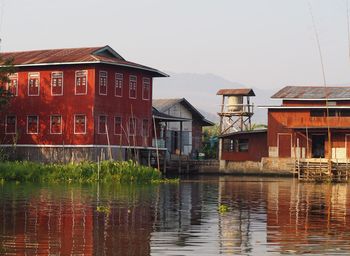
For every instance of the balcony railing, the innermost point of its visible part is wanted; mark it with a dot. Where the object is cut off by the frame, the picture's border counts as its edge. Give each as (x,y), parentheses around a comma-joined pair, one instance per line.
(332,121)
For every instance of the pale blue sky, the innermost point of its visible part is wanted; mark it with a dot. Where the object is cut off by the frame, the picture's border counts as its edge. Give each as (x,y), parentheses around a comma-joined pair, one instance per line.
(260,43)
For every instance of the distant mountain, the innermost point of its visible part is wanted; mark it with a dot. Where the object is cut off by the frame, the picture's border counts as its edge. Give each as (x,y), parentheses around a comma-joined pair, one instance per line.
(200,90)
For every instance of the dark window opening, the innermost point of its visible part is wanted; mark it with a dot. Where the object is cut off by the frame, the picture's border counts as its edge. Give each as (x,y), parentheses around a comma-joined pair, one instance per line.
(317,113)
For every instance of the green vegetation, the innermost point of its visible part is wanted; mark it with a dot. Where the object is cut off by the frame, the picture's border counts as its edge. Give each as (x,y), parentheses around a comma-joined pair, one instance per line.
(103,209)
(85,172)
(223,208)
(210,141)
(6,70)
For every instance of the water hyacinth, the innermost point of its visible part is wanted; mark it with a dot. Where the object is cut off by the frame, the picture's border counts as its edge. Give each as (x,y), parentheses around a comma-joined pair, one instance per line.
(121,172)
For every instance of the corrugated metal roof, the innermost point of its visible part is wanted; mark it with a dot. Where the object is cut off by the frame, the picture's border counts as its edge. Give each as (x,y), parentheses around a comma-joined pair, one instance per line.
(236,92)
(163,105)
(103,54)
(243,133)
(165,117)
(312,92)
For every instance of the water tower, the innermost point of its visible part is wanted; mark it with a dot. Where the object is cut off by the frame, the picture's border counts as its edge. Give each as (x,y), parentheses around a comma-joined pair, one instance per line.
(236,110)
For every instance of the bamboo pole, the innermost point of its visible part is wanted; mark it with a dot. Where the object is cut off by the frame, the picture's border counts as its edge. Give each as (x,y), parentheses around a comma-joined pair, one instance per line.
(156,142)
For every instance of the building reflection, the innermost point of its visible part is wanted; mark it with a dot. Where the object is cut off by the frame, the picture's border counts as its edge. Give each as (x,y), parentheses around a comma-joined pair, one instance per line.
(68,222)
(265,216)
(42,225)
(306,218)
(246,202)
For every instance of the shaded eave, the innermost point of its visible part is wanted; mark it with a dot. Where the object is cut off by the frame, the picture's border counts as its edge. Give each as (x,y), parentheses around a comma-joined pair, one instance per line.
(305,107)
(243,133)
(206,122)
(167,118)
(309,99)
(318,127)
(156,72)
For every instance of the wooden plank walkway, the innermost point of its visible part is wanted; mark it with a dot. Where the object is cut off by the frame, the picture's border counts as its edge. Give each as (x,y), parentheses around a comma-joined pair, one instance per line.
(322,170)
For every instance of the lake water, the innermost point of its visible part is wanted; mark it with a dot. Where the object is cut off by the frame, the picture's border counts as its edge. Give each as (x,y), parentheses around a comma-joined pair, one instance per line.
(266,216)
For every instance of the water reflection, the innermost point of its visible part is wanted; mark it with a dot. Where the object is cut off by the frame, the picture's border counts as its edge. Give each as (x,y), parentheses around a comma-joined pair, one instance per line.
(266,216)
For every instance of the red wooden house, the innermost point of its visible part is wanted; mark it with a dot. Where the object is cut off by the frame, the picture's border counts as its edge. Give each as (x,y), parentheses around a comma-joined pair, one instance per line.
(73,103)
(311,124)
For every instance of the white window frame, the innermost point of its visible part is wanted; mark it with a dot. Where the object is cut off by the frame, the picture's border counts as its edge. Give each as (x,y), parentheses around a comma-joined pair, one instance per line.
(75,82)
(121,121)
(99,82)
(51,116)
(6,132)
(11,77)
(146,80)
(33,74)
(62,87)
(37,124)
(75,116)
(117,80)
(98,124)
(132,87)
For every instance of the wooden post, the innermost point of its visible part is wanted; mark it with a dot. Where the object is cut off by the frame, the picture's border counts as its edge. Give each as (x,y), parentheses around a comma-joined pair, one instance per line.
(156,142)
(180,147)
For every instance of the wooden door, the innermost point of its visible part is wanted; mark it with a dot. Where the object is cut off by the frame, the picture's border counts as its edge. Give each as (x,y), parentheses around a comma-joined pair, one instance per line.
(284,145)
(347,145)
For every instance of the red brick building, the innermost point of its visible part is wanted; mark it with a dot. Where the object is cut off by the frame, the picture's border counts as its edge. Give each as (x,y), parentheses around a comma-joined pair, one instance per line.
(70,104)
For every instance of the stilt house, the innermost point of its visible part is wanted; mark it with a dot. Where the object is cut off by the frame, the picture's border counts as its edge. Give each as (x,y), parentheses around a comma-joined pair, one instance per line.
(71,104)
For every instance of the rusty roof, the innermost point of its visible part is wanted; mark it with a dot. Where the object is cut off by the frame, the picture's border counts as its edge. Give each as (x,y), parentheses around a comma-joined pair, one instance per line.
(104,54)
(313,92)
(236,92)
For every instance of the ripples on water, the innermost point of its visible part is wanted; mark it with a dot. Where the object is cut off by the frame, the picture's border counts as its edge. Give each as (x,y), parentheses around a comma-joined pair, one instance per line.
(266,216)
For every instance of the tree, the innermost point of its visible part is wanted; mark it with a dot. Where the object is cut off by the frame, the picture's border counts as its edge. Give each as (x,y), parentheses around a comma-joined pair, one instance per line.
(6,69)
(210,141)
(256,126)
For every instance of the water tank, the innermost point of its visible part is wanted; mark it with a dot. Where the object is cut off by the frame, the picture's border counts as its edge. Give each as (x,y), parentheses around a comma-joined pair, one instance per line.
(235,103)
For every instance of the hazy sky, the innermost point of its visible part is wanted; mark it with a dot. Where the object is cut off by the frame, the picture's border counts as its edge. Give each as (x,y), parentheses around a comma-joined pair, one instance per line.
(260,43)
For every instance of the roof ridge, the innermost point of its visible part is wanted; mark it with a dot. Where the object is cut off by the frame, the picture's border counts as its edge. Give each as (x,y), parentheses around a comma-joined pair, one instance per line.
(55,49)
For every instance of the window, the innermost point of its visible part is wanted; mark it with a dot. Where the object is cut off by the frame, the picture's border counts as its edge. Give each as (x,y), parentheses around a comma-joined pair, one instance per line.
(145,128)
(118,85)
(32,124)
(103,83)
(57,83)
(132,87)
(11,124)
(33,84)
(345,112)
(132,125)
(117,125)
(332,112)
(12,85)
(81,82)
(56,124)
(102,124)
(242,145)
(79,124)
(236,145)
(317,113)
(146,88)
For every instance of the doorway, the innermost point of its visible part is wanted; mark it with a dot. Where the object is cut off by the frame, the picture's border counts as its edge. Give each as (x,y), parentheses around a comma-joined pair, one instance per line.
(318,142)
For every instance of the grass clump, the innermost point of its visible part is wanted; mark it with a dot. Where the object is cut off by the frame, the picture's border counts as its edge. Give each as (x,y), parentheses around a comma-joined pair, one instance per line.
(85,172)
(223,208)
